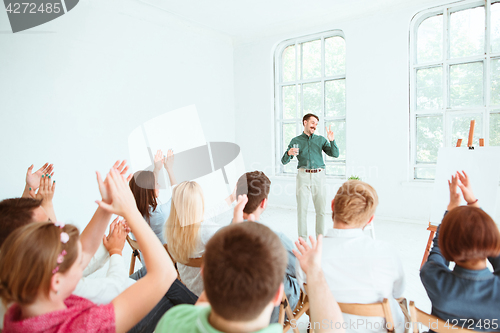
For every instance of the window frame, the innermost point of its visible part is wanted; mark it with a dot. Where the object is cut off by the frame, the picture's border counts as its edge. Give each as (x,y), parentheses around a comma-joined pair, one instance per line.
(446,111)
(278,84)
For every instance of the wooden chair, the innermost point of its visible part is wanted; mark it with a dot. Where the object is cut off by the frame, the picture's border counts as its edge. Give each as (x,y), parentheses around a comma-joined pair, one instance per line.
(434,323)
(135,253)
(381,309)
(301,308)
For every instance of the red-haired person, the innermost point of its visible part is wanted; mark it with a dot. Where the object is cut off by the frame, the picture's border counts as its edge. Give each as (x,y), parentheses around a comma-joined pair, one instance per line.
(468,236)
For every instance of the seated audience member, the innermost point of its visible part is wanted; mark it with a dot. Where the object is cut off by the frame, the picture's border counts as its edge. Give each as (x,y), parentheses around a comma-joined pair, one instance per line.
(468,236)
(243,272)
(17,212)
(146,189)
(41,264)
(189,228)
(359,269)
(256,186)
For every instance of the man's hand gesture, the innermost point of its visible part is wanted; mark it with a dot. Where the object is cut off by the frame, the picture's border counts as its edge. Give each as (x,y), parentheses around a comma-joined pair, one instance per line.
(329,133)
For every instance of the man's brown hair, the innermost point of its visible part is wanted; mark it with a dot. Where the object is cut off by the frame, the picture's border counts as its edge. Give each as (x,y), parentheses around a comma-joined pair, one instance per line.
(28,257)
(15,213)
(307,116)
(355,202)
(468,233)
(256,186)
(244,265)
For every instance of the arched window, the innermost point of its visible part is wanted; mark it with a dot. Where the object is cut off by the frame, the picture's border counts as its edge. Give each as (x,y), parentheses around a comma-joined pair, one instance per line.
(310,78)
(454,78)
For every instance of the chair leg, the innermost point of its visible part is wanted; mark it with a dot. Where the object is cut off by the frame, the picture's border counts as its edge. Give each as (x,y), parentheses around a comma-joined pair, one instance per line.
(132,265)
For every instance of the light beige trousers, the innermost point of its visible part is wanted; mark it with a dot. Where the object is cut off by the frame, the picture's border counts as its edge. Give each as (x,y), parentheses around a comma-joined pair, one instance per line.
(311,184)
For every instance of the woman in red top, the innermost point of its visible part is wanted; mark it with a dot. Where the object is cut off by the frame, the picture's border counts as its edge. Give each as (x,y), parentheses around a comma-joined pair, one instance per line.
(41,264)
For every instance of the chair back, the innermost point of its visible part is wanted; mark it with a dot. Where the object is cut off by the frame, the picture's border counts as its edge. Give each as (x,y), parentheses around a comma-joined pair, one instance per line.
(434,323)
(135,253)
(285,308)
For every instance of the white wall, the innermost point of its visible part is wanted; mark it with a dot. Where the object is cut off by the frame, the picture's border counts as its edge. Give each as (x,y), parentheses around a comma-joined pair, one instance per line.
(377,109)
(72,90)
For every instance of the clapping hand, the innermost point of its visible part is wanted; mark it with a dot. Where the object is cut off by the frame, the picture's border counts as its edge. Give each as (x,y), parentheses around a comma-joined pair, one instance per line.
(117,198)
(168,161)
(33,179)
(309,256)
(120,167)
(329,133)
(115,241)
(158,161)
(466,188)
(454,195)
(46,189)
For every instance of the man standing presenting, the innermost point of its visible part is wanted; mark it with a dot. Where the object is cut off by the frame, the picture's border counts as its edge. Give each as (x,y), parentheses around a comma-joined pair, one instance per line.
(311,176)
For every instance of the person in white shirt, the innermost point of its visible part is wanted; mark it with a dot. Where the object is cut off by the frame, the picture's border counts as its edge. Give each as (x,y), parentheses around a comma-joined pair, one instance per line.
(359,269)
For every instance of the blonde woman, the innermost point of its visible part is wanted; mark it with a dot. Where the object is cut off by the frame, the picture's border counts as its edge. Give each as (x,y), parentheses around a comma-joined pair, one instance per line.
(188,229)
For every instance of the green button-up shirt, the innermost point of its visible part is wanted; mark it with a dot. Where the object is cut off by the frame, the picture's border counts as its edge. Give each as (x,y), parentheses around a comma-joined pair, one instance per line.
(310,148)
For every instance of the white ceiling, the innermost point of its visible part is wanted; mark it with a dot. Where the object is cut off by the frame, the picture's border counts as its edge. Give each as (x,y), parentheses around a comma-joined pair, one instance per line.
(238,18)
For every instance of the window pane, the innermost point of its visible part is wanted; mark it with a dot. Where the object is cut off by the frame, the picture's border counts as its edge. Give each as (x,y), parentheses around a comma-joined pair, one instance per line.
(466,85)
(312,98)
(289,102)
(430,88)
(334,56)
(338,128)
(311,59)
(495,27)
(289,64)
(467,29)
(495,81)
(290,167)
(429,138)
(335,170)
(460,125)
(430,39)
(425,173)
(335,98)
(494,129)
(288,134)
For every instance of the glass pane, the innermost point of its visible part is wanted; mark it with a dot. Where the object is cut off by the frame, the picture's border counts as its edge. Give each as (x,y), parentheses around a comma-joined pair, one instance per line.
(289,64)
(467,29)
(425,173)
(290,167)
(430,88)
(466,85)
(430,39)
(311,59)
(335,170)
(334,56)
(338,128)
(335,98)
(495,81)
(460,125)
(312,98)
(288,134)
(495,27)
(429,138)
(289,102)
(494,129)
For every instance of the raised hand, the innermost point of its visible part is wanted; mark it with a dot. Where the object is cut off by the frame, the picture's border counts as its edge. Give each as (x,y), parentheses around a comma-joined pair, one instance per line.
(329,133)
(46,189)
(466,187)
(309,256)
(33,179)
(158,161)
(115,241)
(238,210)
(117,198)
(120,167)
(168,161)
(454,195)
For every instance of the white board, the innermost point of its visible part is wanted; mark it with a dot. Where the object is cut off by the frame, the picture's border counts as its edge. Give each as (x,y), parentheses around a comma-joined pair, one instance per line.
(482,165)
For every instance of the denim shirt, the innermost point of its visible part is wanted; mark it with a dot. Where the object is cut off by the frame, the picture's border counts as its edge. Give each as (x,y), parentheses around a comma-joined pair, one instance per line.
(462,296)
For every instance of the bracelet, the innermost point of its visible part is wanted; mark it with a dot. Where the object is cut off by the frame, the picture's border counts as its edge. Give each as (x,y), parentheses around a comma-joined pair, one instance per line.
(471,203)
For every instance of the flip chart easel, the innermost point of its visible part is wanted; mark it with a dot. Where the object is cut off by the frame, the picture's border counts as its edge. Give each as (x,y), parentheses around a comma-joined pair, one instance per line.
(432,228)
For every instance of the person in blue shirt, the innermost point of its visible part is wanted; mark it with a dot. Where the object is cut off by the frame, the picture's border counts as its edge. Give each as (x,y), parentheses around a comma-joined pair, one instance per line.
(469,295)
